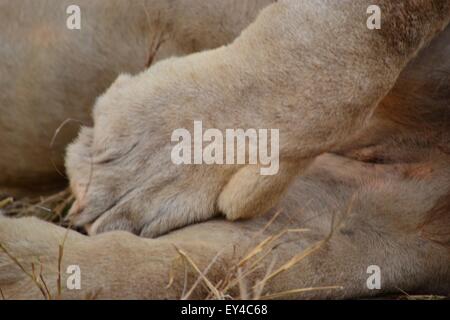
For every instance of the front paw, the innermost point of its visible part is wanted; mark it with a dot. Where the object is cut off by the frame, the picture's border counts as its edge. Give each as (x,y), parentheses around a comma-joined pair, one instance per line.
(135,186)
(140,192)
(124,176)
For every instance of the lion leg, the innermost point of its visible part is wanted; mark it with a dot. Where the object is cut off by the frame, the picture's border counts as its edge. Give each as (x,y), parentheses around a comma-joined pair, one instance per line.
(281,73)
(115,265)
(376,238)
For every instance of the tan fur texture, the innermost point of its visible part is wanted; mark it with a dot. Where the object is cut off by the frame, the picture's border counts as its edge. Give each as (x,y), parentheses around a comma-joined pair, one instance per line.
(121,168)
(310,69)
(55,74)
(371,227)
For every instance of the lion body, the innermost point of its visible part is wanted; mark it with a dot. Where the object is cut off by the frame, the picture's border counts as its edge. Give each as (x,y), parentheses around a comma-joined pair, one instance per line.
(364,150)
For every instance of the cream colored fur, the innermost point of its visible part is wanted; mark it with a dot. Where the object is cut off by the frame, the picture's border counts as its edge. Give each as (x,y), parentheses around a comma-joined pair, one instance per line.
(311,69)
(287,71)
(55,74)
(377,230)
